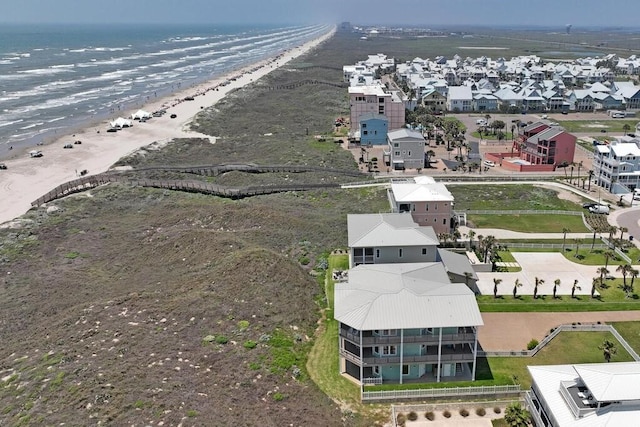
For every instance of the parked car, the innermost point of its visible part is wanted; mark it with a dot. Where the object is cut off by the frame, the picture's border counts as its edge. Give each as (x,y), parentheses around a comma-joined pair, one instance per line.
(3,166)
(68,146)
(588,205)
(489,163)
(599,209)
(35,153)
(173,116)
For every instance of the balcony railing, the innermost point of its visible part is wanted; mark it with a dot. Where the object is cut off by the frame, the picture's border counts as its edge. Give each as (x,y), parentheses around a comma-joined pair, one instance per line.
(462,338)
(394,360)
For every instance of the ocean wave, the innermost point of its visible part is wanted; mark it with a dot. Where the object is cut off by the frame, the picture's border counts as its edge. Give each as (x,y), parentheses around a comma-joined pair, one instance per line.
(44,71)
(3,124)
(32,125)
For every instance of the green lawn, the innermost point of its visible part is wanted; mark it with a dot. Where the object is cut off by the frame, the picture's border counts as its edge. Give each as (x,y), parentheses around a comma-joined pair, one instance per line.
(508,136)
(584,126)
(567,347)
(611,298)
(586,145)
(509,197)
(530,223)
(630,331)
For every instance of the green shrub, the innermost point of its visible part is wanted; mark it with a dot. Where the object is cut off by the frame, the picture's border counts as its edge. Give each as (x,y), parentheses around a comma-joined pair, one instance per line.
(209,338)
(481,412)
(278,397)
(430,416)
(221,339)
(304,260)
(250,345)
(446,414)
(401,420)
(497,410)
(192,413)
(243,325)
(532,344)
(464,413)
(412,416)
(254,366)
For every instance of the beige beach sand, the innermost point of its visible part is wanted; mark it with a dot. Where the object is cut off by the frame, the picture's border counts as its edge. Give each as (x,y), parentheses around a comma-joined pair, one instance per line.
(28,178)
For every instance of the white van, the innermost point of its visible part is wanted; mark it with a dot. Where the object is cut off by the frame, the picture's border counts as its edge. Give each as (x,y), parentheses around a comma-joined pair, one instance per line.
(489,163)
(481,122)
(599,209)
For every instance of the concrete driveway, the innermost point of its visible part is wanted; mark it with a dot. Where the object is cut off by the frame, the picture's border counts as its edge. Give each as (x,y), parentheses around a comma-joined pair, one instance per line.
(546,266)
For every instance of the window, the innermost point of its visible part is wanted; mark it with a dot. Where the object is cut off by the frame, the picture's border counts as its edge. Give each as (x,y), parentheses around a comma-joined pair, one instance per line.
(426,207)
(444,221)
(389,350)
(396,145)
(424,251)
(377,253)
(381,100)
(409,153)
(400,253)
(396,153)
(365,132)
(364,126)
(376,370)
(405,369)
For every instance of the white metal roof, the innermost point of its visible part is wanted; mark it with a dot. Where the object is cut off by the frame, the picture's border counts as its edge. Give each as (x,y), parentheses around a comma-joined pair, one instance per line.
(623,149)
(611,381)
(420,191)
(404,296)
(389,229)
(547,380)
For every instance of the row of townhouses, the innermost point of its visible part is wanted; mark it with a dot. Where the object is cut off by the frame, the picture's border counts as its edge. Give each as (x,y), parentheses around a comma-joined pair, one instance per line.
(523,83)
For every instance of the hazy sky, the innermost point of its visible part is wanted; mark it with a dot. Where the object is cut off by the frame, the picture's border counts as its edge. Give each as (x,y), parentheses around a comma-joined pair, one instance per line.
(399,12)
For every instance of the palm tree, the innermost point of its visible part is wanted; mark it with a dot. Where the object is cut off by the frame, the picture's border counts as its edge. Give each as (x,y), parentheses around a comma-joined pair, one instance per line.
(612,231)
(429,154)
(496,282)
(535,289)
(556,284)
(564,237)
(594,284)
(516,416)
(579,167)
(634,273)
(622,231)
(577,242)
(471,236)
(608,254)
(624,269)
(590,176)
(574,287)
(626,128)
(602,271)
(608,349)
(516,285)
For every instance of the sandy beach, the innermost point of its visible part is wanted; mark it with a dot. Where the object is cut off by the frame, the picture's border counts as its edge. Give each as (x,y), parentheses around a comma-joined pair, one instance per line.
(26,178)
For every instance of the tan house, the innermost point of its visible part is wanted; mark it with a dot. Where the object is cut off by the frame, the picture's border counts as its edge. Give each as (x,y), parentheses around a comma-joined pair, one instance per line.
(430,203)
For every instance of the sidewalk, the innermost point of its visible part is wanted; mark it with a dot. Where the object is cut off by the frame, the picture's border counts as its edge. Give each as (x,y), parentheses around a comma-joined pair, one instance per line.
(508,234)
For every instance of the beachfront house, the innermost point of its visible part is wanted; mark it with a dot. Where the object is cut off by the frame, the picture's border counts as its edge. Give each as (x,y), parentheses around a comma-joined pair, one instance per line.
(588,395)
(403,323)
(373,129)
(430,203)
(405,149)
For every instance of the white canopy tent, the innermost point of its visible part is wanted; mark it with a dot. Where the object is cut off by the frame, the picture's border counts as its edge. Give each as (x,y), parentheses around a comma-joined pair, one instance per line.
(140,114)
(121,122)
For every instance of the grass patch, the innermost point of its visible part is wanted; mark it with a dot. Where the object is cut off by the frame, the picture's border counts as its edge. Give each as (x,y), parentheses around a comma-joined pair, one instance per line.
(585,126)
(585,255)
(509,197)
(530,223)
(630,331)
(612,298)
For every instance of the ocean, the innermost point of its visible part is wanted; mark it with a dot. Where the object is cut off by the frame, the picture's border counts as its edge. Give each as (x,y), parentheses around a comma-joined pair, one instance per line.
(57,77)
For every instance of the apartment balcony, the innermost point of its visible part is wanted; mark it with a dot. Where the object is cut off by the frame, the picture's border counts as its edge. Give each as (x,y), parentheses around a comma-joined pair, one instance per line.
(464,354)
(465,336)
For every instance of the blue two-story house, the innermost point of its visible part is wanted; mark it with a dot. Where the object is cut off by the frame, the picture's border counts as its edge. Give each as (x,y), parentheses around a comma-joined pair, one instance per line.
(373,129)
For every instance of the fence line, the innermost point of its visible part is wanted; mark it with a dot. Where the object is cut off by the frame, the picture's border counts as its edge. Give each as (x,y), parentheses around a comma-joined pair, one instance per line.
(548,245)
(554,333)
(521,212)
(452,406)
(440,392)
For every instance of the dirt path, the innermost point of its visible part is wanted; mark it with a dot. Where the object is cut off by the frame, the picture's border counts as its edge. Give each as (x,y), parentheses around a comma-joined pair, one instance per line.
(512,331)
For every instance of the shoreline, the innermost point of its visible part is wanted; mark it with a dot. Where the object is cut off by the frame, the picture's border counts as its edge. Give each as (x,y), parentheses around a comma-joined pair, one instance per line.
(26,178)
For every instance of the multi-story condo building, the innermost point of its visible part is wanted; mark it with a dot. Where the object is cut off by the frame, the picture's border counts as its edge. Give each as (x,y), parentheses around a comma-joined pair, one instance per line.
(406,149)
(376,99)
(616,167)
(589,395)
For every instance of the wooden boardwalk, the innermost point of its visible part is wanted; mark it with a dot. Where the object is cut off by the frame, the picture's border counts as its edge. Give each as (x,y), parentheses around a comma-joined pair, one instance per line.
(88,182)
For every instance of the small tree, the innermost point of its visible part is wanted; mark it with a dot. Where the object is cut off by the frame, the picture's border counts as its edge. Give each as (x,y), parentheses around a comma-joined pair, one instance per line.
(516,285)
(594,284)
(496,282)
(556,284)
(535,289)
(608,349)
(564,237)
(516,416)
(574,287)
